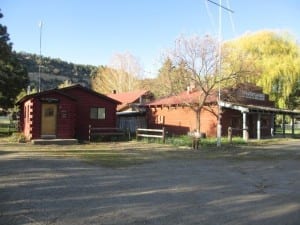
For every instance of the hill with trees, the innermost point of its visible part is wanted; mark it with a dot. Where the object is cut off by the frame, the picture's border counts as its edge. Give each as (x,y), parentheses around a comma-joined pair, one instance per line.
(54,72)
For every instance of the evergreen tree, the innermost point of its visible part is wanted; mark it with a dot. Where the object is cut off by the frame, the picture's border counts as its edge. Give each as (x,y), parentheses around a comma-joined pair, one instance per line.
(13,76)
(175,79)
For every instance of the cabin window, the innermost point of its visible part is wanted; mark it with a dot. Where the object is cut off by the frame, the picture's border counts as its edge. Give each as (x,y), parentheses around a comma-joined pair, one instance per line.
(49,112)
(97,113)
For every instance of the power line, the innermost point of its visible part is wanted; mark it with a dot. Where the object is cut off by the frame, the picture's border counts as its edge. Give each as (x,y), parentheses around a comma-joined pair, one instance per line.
(210,17)
(223,7)
(231,19)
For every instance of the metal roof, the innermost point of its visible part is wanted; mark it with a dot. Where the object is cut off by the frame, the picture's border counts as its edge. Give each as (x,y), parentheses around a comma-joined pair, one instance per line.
(256,108)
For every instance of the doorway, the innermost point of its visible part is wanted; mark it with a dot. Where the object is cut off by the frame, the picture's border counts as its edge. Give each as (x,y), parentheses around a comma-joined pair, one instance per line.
(48,120)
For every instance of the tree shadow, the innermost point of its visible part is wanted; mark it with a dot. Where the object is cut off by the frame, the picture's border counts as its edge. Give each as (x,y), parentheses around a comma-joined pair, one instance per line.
(66,191)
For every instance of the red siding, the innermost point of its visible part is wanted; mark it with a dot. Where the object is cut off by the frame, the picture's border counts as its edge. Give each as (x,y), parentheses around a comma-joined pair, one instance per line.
(65,127)
(181,120)
(66,117)
(86,100)
(73,112)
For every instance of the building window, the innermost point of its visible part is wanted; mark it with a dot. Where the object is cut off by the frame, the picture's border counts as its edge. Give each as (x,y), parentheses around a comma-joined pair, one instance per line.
(97,113)
(49,112)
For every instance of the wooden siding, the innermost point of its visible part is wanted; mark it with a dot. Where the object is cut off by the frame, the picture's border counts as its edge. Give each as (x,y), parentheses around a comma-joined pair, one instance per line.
(27,116)
(131,123)
(65,124)
(86,100)
(73,112)
(31,126)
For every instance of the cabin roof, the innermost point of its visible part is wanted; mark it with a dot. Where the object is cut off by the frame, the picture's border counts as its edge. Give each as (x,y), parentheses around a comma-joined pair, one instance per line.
(63,92)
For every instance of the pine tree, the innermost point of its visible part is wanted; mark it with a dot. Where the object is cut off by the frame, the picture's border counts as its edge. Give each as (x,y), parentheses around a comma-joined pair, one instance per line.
(13,76)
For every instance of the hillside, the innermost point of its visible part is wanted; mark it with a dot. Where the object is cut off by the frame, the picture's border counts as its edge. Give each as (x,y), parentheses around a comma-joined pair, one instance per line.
(54,71)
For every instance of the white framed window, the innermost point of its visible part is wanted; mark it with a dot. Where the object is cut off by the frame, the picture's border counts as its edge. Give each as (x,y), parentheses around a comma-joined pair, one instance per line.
(97,113)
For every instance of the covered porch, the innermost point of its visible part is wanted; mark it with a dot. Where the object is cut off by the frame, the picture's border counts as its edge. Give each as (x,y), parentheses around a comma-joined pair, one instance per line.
(259,121)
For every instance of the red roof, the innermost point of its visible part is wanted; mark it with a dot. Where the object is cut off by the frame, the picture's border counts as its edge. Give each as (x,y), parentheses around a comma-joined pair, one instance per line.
(128,97)
(186,97)
(62,91)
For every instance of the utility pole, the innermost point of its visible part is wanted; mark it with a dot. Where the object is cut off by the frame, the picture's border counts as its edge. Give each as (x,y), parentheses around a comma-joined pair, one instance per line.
(40,63)
(219,126)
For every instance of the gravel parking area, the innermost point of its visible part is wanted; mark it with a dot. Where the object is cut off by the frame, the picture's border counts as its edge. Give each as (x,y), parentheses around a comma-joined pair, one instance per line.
(37,189)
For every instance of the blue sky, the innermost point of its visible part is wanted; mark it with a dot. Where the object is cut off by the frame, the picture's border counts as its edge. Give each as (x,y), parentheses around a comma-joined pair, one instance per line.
(92,31)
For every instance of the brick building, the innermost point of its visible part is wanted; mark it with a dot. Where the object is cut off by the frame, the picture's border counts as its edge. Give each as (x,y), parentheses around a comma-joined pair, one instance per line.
(246,109)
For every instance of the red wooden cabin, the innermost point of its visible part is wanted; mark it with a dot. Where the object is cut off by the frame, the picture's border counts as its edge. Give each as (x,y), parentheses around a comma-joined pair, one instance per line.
(65,113)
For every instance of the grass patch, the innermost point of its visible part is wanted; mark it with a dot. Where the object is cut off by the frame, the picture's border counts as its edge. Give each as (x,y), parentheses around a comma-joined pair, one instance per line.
(124,154)
(185,140)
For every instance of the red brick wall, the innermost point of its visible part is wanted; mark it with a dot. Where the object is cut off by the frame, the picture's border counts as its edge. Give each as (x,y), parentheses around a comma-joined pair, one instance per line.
(181,120)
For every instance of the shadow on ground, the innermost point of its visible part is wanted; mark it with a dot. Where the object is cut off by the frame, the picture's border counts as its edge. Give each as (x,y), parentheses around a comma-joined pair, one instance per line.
(47,190)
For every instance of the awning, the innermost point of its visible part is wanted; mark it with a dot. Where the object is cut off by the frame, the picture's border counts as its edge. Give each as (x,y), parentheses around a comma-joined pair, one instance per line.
(255,108)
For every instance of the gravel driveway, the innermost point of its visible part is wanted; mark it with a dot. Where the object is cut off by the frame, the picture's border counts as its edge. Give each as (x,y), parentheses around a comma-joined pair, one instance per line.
(48,190)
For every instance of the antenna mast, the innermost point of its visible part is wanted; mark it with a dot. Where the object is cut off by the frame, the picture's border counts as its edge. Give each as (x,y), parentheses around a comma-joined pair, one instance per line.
(219,126)
(40,63)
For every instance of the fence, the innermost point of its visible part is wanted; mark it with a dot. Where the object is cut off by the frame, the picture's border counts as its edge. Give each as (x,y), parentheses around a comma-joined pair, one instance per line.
(8,126)
(151,133)
(107,131)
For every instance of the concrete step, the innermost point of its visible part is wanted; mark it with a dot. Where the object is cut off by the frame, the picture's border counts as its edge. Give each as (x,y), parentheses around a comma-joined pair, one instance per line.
(54,141)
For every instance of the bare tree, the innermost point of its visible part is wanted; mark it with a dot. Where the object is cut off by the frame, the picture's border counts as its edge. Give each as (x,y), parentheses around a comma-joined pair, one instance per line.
(201,57)
(128,71)
(123,74)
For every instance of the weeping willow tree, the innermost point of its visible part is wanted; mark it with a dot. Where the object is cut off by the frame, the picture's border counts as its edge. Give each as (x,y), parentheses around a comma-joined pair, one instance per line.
(276,56)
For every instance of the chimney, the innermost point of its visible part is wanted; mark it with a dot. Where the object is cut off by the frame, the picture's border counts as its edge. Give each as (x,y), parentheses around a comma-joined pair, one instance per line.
(192,85)
(188,89)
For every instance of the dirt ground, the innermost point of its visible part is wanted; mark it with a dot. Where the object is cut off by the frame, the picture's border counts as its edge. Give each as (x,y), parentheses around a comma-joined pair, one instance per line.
(37,189)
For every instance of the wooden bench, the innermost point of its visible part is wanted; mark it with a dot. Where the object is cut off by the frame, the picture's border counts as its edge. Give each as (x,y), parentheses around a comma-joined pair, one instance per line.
(151,133)
(107,131)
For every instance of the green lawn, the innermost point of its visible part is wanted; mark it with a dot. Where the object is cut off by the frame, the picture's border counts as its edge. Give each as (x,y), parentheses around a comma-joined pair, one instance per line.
(287,131)
(122,154)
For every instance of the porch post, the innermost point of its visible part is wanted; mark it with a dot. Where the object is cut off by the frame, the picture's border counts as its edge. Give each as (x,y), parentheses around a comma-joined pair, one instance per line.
(258,126)
(272,125)
(245,128)
(293,125)
(283,125)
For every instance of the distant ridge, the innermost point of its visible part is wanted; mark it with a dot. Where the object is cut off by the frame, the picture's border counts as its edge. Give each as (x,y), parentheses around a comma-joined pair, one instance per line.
(54,71)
